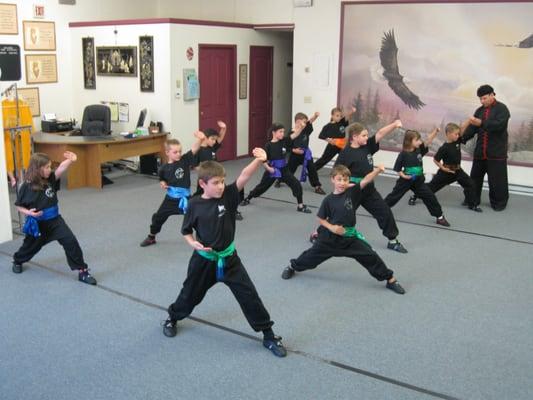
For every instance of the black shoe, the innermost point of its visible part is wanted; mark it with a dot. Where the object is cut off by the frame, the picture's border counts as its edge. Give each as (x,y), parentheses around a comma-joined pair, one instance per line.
(498,208)
(170,328)
(304,209)
(288,273)
(395,287)
(150,240)
(238,216)
(442,221)
(277,184)
(475,208)
(397,246)
(464,203)
(86,277)
(412,201)
(313,238)
(245,202)
(319,190)
(275,346)
(17,268)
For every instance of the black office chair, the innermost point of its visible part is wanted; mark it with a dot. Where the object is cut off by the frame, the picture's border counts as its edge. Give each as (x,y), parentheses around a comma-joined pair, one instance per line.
(96,120)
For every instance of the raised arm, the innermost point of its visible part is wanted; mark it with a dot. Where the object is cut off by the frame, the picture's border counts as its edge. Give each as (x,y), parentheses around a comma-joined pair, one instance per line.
(370,176)
(387,129)
(249,170)
(349,113)
(70,157)
(221,131)
(314,117)
(431,137)
(199,135)
(298,127)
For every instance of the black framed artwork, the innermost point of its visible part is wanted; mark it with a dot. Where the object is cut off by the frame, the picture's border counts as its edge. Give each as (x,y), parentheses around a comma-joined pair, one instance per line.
(116,60)
(146,63)
(89,74)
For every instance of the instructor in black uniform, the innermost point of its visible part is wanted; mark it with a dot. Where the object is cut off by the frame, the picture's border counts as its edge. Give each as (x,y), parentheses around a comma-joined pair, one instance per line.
(490,155)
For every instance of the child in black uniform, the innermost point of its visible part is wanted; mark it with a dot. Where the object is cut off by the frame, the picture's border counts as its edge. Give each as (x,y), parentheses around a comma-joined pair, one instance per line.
(276,167)
(37,200)
(175,178)
(334,134)
(448,159)
(411,172)
(211,217)
(301,153)
(358,159)
(337,236)
(208,152)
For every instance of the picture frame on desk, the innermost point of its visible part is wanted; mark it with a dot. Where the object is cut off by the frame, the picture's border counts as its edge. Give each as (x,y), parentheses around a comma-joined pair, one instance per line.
(39,35)
(116,61)
(41,68)
(8,16)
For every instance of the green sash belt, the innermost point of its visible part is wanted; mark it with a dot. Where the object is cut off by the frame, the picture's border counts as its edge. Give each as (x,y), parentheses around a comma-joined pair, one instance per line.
(418,171)
(219,257)
(350,231)
(355,179)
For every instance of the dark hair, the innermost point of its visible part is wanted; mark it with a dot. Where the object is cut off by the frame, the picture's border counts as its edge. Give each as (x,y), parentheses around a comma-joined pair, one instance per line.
(340,170)
(300,115)
(33,173)
(276,126)
(451,127)
(210,169)
(354,129)
(410,135)
(171,142)
(210,132)
(484,90)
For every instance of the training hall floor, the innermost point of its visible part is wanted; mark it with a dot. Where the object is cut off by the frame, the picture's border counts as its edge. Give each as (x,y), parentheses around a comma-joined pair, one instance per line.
(462,331)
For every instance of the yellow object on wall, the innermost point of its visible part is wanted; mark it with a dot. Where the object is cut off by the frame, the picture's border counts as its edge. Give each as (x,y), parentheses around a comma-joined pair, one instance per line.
(23,140)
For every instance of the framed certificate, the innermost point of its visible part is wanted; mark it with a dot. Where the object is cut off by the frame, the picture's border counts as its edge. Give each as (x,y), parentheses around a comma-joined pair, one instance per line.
(41,68)
(39,35)
(8,19)
(31,96)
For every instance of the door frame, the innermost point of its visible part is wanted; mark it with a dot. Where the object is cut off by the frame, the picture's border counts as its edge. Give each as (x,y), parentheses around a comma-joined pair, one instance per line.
(233,90)
(252,89)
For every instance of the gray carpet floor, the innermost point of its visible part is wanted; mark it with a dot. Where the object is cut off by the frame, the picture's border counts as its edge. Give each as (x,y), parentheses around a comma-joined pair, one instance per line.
(463,330)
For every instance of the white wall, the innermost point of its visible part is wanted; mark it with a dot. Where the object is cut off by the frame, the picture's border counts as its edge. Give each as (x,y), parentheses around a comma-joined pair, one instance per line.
(5,214)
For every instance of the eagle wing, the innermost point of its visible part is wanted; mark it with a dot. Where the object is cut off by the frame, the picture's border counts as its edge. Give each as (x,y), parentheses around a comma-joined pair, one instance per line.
(389,61)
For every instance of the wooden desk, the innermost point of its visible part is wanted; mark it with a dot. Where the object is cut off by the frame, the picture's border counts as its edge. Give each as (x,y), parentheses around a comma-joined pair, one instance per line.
(93,151)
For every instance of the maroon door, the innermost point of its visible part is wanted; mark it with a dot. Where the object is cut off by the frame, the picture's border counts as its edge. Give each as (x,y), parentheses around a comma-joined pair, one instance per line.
(260,95)
(217,75)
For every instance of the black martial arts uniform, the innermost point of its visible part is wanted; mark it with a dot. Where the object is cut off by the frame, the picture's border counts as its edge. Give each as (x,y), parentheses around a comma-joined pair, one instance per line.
(295,160)
(332,130)
(490,154)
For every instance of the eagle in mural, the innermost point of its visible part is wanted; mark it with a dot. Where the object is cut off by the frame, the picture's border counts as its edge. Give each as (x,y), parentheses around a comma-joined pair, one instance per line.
(389,61)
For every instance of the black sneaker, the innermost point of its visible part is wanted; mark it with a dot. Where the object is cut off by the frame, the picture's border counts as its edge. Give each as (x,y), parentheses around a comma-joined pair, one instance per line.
(397,246)
(319,190)
(442,221)
(170,328)
(238,216)
(150,240)
(314,237)
(412,201)
(17,268)
(475,208)
(86,277)
(304,209)
(395,287)
(277,184)
(275,346)
(245,202)
(288,273)
(464,203)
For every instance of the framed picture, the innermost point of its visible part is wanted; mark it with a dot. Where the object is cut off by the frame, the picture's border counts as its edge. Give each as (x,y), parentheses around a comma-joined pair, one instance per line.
(146,63)
(191,86)
(41,68)
(89,73)
(116,61)
(409,64)
(8,19)
(243,81)
(39,35)
(31,96)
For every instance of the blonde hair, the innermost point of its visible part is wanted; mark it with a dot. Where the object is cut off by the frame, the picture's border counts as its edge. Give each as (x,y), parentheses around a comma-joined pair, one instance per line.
(340,170)
(451,127)
(210,169)
(171,142)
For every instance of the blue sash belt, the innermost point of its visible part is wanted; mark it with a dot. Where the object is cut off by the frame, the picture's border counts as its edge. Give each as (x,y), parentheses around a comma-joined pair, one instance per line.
(277,165)
(308,156)
(180,193)
(31,226)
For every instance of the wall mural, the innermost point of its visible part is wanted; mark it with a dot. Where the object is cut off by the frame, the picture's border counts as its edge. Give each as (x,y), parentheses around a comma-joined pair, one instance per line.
(422,62)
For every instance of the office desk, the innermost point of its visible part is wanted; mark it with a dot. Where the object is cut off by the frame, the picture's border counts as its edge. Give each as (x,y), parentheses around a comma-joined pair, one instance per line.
(93,151)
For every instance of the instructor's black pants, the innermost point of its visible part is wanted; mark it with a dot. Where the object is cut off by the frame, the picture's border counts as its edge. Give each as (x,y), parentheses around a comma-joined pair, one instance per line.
(53,229)
(286,176)
(420,189)
(496,171)
(201,276)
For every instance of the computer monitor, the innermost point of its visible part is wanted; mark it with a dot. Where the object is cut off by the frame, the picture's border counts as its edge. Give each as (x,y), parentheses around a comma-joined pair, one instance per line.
(142,117)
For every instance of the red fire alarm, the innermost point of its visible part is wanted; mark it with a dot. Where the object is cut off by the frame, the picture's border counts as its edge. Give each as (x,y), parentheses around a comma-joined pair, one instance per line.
(190,53)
